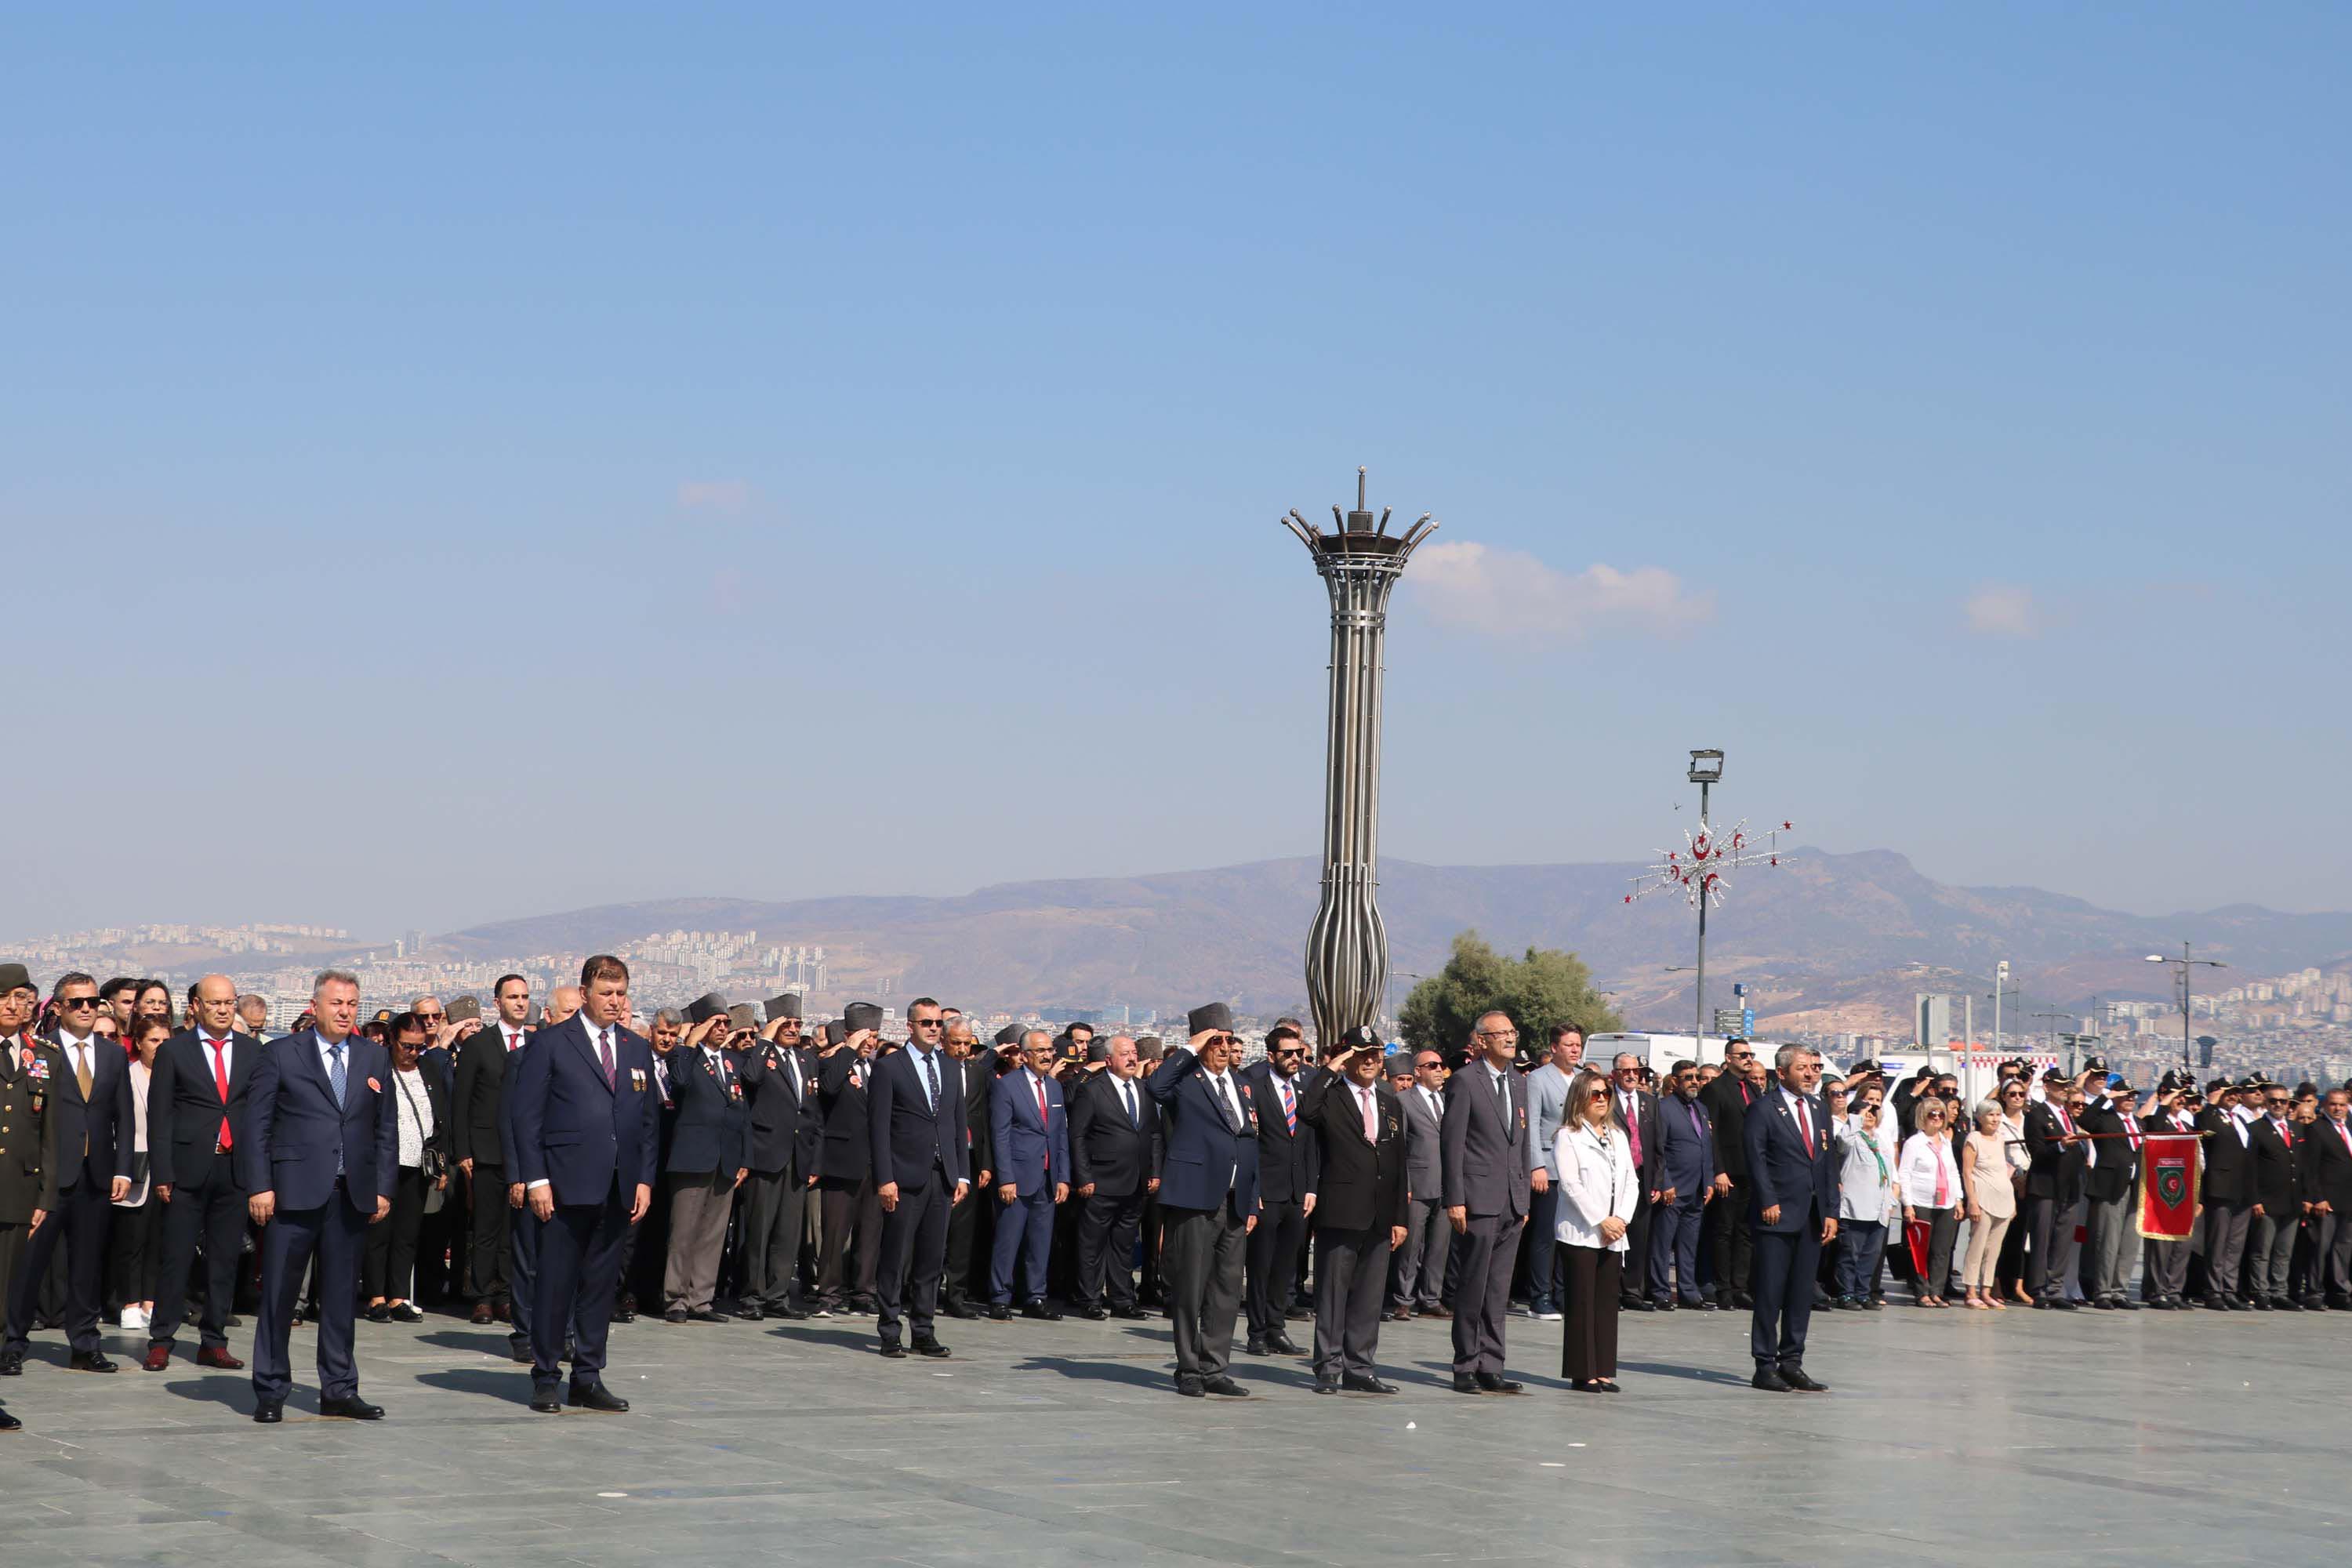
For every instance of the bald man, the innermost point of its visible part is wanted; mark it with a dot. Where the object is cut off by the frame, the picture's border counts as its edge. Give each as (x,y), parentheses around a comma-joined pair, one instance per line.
(562,1002)
(196,1119)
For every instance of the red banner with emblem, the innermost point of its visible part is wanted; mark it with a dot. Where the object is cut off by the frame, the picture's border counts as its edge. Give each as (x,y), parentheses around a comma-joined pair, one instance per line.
(2167,1185)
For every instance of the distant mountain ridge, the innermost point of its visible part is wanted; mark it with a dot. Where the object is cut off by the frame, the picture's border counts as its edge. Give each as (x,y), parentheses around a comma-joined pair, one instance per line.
(1819,930)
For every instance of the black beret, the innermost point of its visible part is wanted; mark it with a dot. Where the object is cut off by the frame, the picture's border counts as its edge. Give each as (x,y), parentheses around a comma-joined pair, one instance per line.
(710,1004)
(862,1016)
(1216,1016)
(785,1006)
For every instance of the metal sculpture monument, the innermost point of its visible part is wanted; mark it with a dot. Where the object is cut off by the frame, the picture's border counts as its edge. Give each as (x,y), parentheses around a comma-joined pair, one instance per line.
(1347,946)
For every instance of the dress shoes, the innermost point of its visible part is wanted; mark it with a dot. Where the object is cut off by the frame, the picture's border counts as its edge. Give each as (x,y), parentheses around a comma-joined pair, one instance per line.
(962,1309)
(1742,1301)
(1225,1386)
(1398,1317)
(1769,1380)
(751,1312)
(674,1315)
(1042,1313)
(269,1412)
(705,1315)
(893,1350)
(2285,1304)
(211,1356)
(1698,1304)
(351,1407)
(1189,1386)
(1256,1347)
(379,1313)
(1095,1314)
(1432,1311)
(625,1314)
(1794,1376)
(1465,1384)
(1636,1304)
(2126,1304)
(1327,1385)
(91,1361)
(1129,1314)
(793,1314)
(546,1399)
(11,1364)
(9,1422)
(483,1314)
(1493,1383)
(408,1312)
(519,1349)
(158,1356)
(2239,1303)
(999,1314)
(1299,1315)
(927,1346)
(1355,1384)
(596,1396)
(1282,1344)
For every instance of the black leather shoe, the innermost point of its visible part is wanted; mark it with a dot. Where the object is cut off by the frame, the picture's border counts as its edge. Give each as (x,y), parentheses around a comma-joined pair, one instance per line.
(931,1348)
(12,1365)
(1256,1347)
(2285,1304)
(1355,1384)
(91,1361)
(1742,1300)
(751,1312)
(1299,1315)
(1284,1345)
(269,1412)
(794,1315)
(9,1422)
(1095,1314)
(1638,1304)
(351,1407)
(379,1313)
(596,1396)
(997,1314)
(1189,1387)
(1226,1386)
(2105,1304)
(1465,1384)
(1327,1385)
(625,1314)
(963,1310)
(2064,1305)
(2126,1304)
(1042,1313)
(1769,1380)
(546,1399)
(1131,1314)
(1794,1376)
(1494,1385)
(893,1350)
(2261,1303)
(705,1315)
(2238,1304)
(519,1349)
(674,1315)
(1703,1304)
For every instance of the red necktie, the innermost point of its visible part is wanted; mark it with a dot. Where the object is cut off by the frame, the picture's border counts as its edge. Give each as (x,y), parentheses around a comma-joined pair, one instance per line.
(1634,1130)
(220,1081)
(1805,1123)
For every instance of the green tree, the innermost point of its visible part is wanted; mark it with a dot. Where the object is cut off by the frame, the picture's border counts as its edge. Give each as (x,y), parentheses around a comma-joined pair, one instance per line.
(1539,991)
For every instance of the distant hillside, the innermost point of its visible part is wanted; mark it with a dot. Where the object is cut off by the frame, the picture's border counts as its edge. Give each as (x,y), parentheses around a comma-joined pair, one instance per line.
(1822,931)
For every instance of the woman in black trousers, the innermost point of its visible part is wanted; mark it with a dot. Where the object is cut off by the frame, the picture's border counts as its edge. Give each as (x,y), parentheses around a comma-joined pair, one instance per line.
(421,1109)
(1599,1192)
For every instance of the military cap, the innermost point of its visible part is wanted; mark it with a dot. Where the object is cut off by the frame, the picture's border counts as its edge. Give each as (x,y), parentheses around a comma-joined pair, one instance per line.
(787,1005)
(1215,1015)
(710,1004)
(862,1016)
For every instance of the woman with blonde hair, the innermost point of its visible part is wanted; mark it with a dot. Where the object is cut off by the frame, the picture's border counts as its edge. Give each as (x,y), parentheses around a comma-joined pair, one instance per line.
(1599,1192)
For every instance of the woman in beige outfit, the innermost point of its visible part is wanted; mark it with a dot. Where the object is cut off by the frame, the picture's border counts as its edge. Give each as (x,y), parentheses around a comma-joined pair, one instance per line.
(1992,1204)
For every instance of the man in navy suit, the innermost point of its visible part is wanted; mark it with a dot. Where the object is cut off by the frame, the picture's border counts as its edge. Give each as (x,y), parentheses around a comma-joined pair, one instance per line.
(1208,1197)
(318,1164)
(1792,1179)
(709,1156)
(89,1092)
(587,1134)
(1030,1131)
(917,1110)
(196,1116)
(1685,1181)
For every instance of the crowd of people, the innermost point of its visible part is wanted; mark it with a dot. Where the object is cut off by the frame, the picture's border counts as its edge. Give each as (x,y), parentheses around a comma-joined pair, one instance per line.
(551,1169)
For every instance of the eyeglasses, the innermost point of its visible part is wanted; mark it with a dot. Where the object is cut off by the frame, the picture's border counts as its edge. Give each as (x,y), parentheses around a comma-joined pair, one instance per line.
(77,1001)
(1222,1040)
(430,1017)
(1499,1033)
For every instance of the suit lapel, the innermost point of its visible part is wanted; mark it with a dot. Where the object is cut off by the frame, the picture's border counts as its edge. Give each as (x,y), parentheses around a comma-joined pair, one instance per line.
(587,1049)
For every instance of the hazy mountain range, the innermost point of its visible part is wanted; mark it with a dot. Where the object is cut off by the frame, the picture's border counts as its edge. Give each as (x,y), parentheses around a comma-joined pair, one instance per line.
(1831,940)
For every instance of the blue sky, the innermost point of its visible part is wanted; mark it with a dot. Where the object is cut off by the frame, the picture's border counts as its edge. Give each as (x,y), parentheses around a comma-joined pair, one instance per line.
(461,464)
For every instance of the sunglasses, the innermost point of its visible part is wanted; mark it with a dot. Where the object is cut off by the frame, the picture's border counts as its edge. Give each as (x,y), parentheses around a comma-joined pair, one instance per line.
(77,1001)
(430,1017)
(926,1023)
(1598,1094)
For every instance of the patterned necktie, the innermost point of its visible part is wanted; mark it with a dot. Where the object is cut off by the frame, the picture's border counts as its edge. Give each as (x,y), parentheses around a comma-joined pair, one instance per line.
(81,1069)
(1289,1107)
(1634,1130)
(604,1054)
(335,1075)
(931,1079)
(1805,1125)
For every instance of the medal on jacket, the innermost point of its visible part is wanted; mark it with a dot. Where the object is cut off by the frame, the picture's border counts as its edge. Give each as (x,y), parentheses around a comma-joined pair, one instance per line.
(637,1079)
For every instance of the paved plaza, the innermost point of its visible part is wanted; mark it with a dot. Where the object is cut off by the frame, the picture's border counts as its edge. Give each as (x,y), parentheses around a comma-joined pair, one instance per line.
(2026,1439)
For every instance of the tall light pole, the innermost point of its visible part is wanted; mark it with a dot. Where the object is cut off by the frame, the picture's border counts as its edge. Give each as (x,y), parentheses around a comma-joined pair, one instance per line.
(1705,768)
(2000,984)
(2053,1018)
(2180,979)
(1698,869)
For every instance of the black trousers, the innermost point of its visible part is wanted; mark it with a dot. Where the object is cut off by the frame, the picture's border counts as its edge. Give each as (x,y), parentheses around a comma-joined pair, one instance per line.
(963,1230)
(391,1242)
(1785,1264)
(487,1222)
(1725,1239)
(1943,1229)
(1351,1277)
(1274,1266)
(1150,1234)
(1482,1295)
(1635,1262)
(335,1234)
(1107,1227)
(579,1279)
(914,1253)
(1592,1278)
(2052,1262)
(134,1254)
(210,1217)
(83,1216)
(772,1205)
(851,1255)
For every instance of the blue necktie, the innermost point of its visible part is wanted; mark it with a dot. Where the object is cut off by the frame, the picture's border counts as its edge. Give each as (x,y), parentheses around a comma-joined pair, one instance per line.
(335,1072)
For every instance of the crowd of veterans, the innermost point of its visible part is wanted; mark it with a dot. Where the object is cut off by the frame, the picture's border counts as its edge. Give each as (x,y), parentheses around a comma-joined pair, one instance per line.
(552,1168)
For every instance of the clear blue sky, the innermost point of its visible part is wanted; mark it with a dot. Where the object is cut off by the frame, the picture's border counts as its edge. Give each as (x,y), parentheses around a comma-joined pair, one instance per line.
(513,460)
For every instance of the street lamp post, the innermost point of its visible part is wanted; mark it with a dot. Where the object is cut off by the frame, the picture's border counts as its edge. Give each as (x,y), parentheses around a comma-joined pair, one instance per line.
(2180,978)
(1705,768)
(2053,1018)
(1698,869)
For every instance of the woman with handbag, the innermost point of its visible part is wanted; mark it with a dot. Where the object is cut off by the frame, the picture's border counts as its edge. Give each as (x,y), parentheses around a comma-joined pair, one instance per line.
(422,1111)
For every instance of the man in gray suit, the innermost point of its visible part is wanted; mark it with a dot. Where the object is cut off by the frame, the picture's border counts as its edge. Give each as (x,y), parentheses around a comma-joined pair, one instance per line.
(1546,1105)
(1418,1271)
(1483,1146)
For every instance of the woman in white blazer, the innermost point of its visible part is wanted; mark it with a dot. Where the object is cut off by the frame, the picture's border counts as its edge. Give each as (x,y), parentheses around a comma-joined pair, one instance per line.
(1866,1154)
(1599,1192)
(1930,1178)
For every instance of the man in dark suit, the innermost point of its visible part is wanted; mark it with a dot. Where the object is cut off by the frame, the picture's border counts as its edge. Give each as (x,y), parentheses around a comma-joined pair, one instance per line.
(1636,1112)
(1285,1174)
(2110,1195)
(2053,1193)
(919,1174)
(1361,1209)
(708,1156)
(849,1235)
(2276,1170)
(88,1095)
(26,1124)
(1115,1154)
(478,1097)
(1417,1268)
(1207,1194)
(966,1220)
(196,1116)
(1725,1236)
(1029,1128)
(2227,1192)
(2327,1187)
(586,1139)
(318,1167)
(1792,1176)
(787,1135)
(1685,1178)
(1485,1170)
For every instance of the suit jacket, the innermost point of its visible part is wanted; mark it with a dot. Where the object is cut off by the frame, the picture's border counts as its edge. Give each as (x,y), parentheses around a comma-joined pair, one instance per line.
(1727,1108)
(1780,1172)
(2229,1163)
(1209,1163)
(1484,1151)
(1361,1185)
(184,1111)
(439,1066)
(979,1099)
(1030,1154)
(1645,1123)
(913,1139)
(100,1119)
(573,1131)
(2118,1164)
(298,1132)
(1547,1089)
(477,1095)
(27,1124)
(841,1080)
(2328,1168)
(2276,1170)
(1685,1160)
(787,1128)
(1108,1149)
(1424,1158)
(713,1129)
(2056,1170)
(1286,1162)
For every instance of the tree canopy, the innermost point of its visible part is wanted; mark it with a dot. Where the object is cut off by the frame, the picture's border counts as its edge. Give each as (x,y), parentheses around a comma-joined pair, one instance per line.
(1539,991)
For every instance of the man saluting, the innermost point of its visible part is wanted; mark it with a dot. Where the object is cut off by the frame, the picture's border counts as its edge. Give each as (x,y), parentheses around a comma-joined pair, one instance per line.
(1208,1193)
